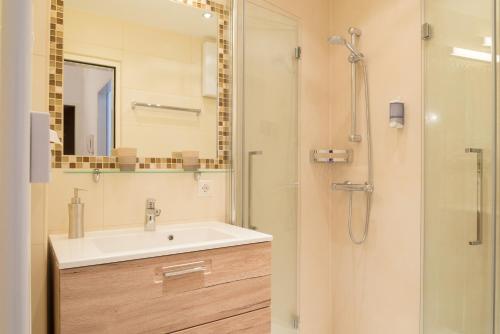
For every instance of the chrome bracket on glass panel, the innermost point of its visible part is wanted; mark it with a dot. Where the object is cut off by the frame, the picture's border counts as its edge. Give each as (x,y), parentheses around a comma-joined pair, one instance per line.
(331,156)
(251,155)
(426,31)
(479,189)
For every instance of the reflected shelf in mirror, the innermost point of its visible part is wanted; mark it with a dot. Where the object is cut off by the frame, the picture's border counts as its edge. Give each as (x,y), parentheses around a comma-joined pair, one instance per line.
(164,107)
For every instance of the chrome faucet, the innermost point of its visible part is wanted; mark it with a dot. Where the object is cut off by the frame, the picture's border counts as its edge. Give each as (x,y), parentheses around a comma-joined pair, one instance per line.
(151,213)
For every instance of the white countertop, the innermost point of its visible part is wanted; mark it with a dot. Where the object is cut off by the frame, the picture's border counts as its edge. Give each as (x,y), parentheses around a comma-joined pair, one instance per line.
(131,244)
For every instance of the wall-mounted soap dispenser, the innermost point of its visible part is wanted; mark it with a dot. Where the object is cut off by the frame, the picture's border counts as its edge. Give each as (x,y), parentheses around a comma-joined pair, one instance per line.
(76,216)
(397,114)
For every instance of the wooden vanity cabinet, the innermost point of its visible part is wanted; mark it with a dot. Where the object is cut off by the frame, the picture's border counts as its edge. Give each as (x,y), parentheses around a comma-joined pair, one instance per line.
(218,291)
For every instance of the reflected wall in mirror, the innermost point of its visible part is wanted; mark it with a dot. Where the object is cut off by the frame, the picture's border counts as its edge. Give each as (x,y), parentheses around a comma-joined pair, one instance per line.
(147,74)
(89,108)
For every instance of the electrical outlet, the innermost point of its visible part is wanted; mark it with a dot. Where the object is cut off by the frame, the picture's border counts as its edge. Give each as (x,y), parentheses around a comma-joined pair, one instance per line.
(205,188)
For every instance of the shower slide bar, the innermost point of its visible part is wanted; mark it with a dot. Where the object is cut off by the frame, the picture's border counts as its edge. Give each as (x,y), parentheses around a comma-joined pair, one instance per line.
(331,156)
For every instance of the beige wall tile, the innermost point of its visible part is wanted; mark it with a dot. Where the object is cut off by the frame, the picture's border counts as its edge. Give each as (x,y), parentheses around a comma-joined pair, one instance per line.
(40,82)
(38,191)
(176,194)
(60,192)
(39,288)
(118,200)
(99,30)
(38,214)
(376,287)
(41,27)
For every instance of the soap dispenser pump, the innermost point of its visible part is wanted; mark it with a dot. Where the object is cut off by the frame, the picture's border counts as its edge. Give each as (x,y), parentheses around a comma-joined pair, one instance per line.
(76,216)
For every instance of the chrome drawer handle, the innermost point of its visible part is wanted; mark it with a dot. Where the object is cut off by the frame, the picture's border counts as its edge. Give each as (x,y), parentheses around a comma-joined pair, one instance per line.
(479,189)
(184,272)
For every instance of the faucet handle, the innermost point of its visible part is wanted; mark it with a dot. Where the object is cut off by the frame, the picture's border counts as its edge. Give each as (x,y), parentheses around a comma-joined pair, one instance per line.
(76,199)
(150,203)
(157,212)
(77,190)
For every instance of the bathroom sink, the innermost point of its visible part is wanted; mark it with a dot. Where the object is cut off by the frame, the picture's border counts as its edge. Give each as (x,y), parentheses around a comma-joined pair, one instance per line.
(151,240)
(131,244)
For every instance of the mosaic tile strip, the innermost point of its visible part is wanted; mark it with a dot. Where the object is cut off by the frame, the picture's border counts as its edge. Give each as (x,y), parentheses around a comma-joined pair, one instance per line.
(56,65)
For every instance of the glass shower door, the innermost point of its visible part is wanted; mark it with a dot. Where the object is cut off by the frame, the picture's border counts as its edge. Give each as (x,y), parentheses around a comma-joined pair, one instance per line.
(270,149)
(459,77)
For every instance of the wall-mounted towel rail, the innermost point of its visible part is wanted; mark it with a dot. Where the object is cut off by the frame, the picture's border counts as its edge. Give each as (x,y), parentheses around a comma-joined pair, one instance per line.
(160,106)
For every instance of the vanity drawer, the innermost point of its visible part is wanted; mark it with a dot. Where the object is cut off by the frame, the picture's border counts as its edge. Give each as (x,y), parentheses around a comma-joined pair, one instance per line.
(256,322)
(164,294)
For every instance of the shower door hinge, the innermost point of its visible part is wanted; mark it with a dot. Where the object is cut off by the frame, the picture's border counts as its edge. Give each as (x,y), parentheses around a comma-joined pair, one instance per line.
(296,322)
(298,52)
(426,31)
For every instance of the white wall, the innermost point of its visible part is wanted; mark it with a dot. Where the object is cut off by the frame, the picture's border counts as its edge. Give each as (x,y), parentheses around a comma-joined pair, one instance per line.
(81,89)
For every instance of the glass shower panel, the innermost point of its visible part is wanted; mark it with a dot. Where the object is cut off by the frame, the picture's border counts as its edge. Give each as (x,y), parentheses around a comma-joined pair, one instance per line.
(271,148)
(458,183)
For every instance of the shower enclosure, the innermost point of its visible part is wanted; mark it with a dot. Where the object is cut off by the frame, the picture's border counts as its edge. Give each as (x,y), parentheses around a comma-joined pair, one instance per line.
(460,181)
(267,145)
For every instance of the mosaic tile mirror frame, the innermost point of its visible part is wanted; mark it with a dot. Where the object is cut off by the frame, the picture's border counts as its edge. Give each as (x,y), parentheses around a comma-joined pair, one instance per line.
(224,100)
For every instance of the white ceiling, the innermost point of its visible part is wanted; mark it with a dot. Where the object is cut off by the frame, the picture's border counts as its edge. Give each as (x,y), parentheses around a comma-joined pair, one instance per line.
(164,14)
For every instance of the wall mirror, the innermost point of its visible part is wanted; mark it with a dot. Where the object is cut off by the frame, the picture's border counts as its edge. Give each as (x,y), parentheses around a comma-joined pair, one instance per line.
(147,74)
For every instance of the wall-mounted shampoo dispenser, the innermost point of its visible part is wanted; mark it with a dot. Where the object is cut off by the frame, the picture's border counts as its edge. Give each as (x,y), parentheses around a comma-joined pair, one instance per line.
(41,137)
(397,114)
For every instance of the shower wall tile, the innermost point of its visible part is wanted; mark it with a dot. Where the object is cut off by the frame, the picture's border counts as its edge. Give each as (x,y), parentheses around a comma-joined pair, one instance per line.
(376,286)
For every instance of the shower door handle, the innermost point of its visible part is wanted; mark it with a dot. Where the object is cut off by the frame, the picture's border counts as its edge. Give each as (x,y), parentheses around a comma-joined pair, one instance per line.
(479,189)
(251,154)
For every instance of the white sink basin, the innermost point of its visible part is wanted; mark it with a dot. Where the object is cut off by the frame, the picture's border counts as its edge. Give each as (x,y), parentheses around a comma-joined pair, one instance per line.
(123,245)
(123,242)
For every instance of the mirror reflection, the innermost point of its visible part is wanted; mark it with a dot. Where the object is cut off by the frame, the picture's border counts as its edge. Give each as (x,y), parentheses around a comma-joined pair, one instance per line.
(143,75)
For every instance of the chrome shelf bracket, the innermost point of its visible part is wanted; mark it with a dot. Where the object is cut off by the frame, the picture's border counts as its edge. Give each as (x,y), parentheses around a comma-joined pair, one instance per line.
(331,156)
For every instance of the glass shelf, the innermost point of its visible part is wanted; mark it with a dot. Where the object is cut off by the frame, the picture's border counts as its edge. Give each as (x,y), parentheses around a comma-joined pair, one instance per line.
(146,171)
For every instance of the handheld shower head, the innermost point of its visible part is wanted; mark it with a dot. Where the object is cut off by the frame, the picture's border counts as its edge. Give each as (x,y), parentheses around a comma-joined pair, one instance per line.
(339,40)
